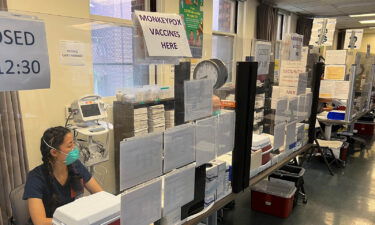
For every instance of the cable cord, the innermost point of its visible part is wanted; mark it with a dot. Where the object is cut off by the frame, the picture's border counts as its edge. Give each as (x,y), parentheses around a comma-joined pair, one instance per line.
(67,119)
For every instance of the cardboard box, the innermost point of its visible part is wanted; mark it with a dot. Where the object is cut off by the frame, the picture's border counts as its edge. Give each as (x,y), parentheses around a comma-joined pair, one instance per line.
(256,159)
(228,173)
(221,168)
(211,184)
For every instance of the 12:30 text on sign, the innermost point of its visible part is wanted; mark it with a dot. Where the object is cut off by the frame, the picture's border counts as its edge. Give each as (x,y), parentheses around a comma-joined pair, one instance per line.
(9,67)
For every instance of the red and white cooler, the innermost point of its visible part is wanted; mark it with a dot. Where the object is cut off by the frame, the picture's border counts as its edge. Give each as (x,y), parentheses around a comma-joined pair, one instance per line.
(262,142)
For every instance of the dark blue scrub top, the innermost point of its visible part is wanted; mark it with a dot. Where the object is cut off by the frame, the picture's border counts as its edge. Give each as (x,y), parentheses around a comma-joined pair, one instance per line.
(37,186)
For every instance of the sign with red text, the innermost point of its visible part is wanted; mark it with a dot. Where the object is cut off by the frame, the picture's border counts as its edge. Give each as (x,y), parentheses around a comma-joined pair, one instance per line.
(164,34)
(24,61)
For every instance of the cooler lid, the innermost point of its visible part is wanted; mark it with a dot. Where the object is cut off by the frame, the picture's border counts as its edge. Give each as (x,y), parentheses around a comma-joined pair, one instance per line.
(89,210)
(260,141)
(284,190)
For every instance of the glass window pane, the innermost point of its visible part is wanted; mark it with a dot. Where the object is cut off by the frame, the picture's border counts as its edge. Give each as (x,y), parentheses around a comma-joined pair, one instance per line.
(224,15)
(112,44)
(113,60)
(116,8)
(222,48)
(110,78)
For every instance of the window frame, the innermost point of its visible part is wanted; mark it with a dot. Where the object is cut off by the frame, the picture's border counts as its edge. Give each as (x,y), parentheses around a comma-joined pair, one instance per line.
(124,23)
(229,34)
(280,25)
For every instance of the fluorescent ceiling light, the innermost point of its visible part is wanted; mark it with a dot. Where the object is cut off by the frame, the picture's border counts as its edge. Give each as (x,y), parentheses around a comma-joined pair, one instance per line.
(367,21)
(363,15)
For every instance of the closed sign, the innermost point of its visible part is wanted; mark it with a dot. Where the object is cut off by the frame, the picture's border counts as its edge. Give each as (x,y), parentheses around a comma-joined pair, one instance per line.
(24,62)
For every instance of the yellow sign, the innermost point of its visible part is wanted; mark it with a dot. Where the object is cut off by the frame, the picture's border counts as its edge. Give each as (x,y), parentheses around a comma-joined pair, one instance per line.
(334,72)
(277,64)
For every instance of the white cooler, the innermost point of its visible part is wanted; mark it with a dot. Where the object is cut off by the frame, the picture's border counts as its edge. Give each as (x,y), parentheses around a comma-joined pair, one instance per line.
(101,208)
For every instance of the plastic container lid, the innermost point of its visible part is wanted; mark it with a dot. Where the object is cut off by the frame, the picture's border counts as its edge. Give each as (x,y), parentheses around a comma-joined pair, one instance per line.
(260,141)
(283,190)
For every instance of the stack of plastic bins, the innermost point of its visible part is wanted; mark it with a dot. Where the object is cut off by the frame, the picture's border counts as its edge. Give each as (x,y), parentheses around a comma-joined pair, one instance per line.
(293,174)
(274,198)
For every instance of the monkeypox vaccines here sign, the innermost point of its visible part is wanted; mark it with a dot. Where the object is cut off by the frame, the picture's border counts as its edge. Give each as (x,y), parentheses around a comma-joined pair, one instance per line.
(24,62)
(164,34)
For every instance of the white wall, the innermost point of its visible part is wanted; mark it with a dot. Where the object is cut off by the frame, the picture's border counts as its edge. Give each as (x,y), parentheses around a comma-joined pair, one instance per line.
(45,108)
(368,39)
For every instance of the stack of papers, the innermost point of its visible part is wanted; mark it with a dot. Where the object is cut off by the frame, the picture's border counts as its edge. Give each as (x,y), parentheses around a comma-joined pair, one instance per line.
(140,122)
(169,119)
(156,119)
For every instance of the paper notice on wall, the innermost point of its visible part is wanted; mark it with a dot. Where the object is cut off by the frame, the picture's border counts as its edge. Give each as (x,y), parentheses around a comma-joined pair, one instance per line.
(289,76)
(335,57)
(323,31)
(334,72)
(263,56)
(296,47)
(164,34)
(327,88)
(353,39)
(341,89)
(334,89)
(72,53)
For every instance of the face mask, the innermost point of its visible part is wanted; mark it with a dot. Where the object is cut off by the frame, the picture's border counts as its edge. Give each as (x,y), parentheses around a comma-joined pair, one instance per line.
(72,156)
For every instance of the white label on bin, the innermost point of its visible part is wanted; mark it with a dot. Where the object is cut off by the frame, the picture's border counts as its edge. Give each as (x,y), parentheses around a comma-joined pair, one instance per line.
(268,203)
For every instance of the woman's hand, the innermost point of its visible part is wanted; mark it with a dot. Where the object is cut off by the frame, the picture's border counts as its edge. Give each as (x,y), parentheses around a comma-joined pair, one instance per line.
(37,212)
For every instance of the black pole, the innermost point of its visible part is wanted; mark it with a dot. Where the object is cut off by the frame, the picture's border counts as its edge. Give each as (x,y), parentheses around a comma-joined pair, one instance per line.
(317,74)
(181,74)
(245,98)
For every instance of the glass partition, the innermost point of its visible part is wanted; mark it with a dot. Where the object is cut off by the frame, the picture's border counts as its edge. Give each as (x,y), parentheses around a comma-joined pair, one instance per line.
(124,110)
(283,102)
(361,78)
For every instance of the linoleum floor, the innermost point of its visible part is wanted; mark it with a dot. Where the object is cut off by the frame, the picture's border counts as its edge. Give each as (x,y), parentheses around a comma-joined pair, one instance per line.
(347,198)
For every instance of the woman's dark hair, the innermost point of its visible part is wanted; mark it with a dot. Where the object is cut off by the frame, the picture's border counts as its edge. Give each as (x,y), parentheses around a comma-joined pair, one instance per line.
(54,137)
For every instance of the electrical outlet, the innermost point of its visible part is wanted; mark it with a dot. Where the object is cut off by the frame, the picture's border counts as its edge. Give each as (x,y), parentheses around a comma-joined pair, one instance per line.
(67,111)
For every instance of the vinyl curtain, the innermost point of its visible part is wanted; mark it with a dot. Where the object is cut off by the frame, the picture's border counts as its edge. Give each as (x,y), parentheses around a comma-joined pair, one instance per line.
(13,158)
(266,22)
